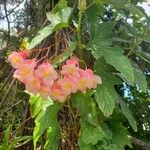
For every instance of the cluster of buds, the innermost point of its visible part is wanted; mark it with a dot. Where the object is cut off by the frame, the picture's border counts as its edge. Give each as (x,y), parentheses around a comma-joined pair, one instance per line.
(44,79)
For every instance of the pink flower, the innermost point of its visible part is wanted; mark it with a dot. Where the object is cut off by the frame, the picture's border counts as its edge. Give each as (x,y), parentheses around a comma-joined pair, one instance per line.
(45,91)
(19,77)
(70,70)
(72,61)
(71,78)
(88,73)
(68,86)
(96,80)
(43,79)
(15,59)
(93,80)
(31,62)
(82,84)
(33,85)
(86,79)
(57,94)
(25,71)
(46,73)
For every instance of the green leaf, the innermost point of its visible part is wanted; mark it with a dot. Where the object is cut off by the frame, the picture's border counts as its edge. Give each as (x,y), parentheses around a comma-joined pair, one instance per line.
(120,136)
(84,146)
(45,114)
(106,98)
(6,136)
(61,17)
(106,146)
(116,39)
(134,10)
(82,103)
(105,93)
(23,138)
(121,63)
(101,45)
(85,106)
(140,78)
(58,21)
(102,31)
(37,104)
(89,133)
(53,135)
(47,120)
(114,56)
(105,30)
(88,120)
(127,112)
(107,131)
(5,144)
(41,35)
(59,6)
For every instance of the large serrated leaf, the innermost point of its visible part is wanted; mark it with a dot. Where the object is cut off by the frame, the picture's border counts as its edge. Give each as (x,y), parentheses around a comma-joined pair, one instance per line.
(102,46)
(106,97)
(53,135)
(105,93)
(47,120)
(115,58)
(127,112)
(37,104)
(103,30)
(45,114)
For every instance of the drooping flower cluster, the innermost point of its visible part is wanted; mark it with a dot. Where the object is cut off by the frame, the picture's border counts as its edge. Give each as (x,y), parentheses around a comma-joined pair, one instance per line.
(44,79)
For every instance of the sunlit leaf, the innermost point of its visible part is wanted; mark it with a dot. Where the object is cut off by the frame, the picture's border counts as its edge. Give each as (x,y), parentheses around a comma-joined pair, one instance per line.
(58,20)
(45,114)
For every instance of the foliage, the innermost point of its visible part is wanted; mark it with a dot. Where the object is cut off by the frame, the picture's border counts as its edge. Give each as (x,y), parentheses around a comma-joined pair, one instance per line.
(104,40)
(11,146)
(45,112)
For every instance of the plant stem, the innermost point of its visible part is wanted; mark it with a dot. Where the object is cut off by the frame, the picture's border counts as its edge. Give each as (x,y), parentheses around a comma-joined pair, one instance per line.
(79,33)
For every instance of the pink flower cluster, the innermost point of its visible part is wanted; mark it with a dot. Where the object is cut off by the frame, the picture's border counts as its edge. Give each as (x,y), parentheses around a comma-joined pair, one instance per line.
(44,79)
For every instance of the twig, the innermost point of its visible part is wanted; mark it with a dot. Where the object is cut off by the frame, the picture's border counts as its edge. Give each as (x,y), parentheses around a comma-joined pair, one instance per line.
(142,144)
(7,79)
(8,92)
(11,11)
(22,124)
(22,144)
(11,108)
(8,22)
